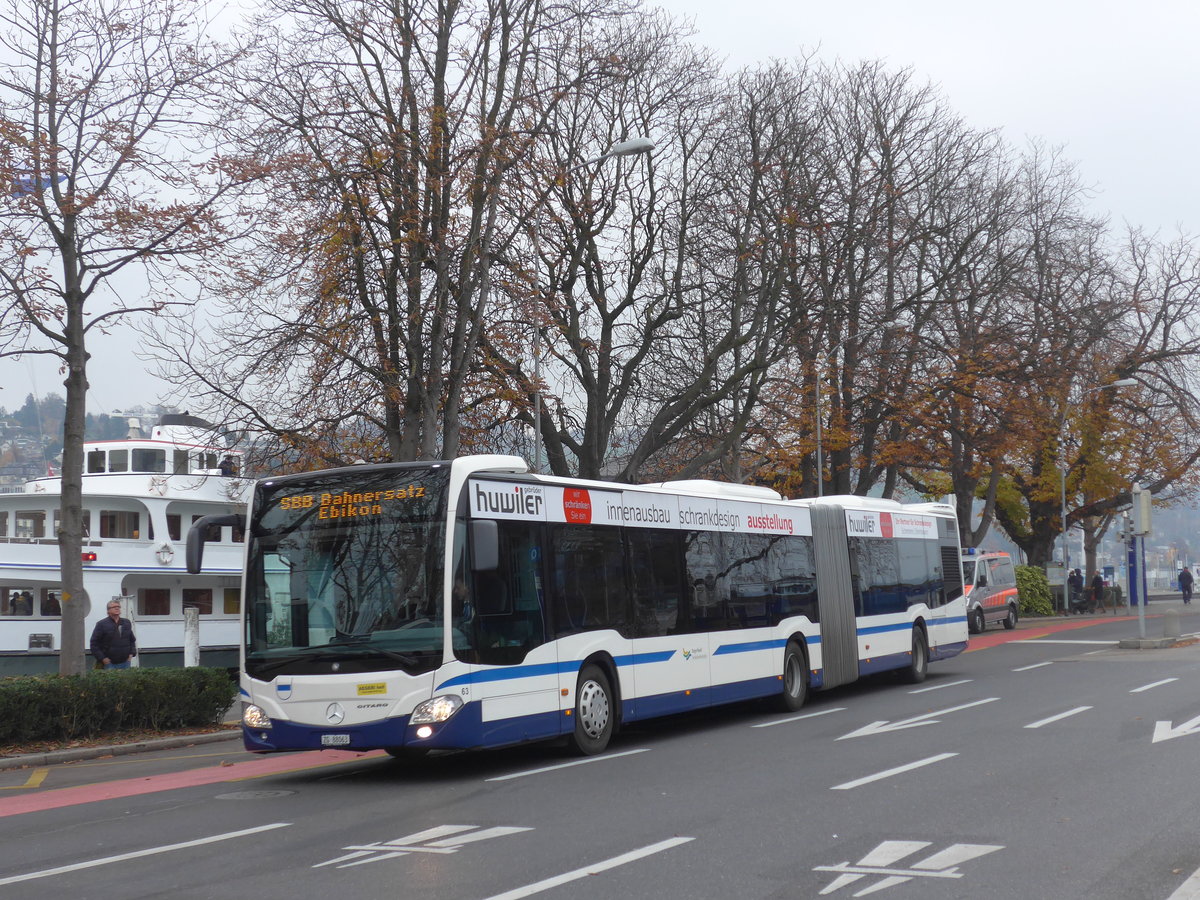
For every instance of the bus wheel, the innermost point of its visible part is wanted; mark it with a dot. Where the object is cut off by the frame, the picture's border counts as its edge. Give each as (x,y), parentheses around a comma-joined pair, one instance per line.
(593,712)
(1010,620)
(795,678)
(976,621)
(919,667)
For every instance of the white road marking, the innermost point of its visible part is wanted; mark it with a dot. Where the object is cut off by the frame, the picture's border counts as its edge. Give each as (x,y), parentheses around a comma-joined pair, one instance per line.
(136,854)
(594,869)
(943,864)
(811,715)
(1055,641)
(899,770)
(882,727)
(938,687)
(1034,666)
(1062,715)
(1153,684)
(439,839)
(1189,890)
(567,765)
(1164,732)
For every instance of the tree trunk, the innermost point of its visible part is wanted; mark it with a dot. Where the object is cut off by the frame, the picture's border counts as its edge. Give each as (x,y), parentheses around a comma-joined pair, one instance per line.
(75,601)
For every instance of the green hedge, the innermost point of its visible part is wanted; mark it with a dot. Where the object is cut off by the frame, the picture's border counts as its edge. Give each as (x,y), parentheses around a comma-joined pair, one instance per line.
(64,708)
(1036,599)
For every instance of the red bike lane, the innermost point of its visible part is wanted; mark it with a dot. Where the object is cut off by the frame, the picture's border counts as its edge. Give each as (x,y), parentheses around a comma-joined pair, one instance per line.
(131,787)
(1028,630)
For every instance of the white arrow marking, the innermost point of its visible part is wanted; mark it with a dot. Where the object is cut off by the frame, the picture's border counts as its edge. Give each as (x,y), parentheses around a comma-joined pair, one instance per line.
(884,726)
(1164,732)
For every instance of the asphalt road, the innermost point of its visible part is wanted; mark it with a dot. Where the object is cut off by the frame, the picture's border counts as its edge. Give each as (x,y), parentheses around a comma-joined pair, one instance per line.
(1052,765)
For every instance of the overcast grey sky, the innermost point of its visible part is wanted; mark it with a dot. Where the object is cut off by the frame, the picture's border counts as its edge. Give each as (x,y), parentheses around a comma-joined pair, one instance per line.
(1114,83)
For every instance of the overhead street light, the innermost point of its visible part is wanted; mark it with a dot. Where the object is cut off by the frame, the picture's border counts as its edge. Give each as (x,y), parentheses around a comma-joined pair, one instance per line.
(822,358)
(632,147)
(1062,468)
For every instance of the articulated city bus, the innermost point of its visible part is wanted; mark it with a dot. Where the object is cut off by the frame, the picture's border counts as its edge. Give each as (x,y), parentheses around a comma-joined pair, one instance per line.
(469,603)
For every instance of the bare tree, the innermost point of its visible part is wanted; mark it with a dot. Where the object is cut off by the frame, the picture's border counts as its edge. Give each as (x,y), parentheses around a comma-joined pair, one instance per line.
(391,130)
(108,189)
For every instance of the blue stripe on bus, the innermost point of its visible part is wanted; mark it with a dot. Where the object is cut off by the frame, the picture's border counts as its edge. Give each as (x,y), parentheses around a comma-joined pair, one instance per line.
(510,673)
(749,647)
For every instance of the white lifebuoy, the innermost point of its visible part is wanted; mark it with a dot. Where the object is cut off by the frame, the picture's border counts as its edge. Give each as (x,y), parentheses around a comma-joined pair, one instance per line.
(165,554)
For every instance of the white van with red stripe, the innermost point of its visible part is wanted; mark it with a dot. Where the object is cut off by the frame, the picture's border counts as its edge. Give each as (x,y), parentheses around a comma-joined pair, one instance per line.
(990,586)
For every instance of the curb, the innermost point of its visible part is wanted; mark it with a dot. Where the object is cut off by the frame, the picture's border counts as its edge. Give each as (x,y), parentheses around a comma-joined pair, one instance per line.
(54,757)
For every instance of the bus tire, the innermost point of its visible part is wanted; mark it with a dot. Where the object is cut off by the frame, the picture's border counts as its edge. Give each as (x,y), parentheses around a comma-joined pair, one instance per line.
(918,668)
(976,622)
(795,678)
(594,712)
(1010,620)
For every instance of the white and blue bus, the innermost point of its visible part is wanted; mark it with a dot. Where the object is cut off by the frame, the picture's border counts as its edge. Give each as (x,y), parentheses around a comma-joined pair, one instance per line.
(469,603)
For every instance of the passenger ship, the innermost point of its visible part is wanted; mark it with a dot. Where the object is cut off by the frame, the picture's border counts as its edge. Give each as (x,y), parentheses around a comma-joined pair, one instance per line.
(140,497)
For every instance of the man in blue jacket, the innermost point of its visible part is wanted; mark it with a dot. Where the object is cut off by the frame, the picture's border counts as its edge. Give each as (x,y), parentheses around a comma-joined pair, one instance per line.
(113,643)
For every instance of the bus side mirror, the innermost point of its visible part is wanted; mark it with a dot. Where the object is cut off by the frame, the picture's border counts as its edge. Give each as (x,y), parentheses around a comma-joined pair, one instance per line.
(485,545)
(197,533)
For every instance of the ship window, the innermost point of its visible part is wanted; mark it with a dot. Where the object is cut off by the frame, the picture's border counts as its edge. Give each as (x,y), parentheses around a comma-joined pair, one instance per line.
(30,523)
(154,601)
(212,534)
(3,524)
(116,523)
(181,462)
(95,461)
(16,602)
(200,598)
(149,460)
(233,601)
(118,460)
(50,602)
(174,524)
(85,521)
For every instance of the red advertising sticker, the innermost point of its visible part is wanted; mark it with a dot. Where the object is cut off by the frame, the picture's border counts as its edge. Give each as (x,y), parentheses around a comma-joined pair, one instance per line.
(577,506)
(885,524)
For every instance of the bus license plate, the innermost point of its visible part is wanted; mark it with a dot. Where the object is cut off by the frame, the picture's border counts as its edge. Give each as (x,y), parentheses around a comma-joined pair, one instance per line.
(335,740)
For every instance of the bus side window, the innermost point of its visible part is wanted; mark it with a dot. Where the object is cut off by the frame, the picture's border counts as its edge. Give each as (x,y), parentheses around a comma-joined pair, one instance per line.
(657,581)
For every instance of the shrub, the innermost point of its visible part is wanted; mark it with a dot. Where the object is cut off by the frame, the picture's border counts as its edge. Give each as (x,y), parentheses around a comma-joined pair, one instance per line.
(61,708)
(1034,590)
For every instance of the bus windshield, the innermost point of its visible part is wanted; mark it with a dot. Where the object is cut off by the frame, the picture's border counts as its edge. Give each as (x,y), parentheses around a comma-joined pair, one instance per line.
(344,572)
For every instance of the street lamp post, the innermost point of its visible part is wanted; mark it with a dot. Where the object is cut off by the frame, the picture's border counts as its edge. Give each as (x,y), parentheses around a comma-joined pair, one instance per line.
(632,147)
(823,357)
(1066,544)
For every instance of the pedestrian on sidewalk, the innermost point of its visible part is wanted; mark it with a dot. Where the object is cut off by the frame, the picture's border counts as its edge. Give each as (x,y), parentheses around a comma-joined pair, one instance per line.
(1185,584)
(113,643)
(1098,592)
(1075,591)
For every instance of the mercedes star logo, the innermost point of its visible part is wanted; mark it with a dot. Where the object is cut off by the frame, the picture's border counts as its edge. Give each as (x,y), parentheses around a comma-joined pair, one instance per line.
(334,713)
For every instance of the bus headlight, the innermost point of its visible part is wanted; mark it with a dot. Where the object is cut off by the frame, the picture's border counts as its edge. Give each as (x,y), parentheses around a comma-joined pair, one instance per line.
(254,717)
(439,709)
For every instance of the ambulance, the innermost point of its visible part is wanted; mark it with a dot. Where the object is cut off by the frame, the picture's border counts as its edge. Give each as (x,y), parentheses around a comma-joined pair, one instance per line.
(990,585)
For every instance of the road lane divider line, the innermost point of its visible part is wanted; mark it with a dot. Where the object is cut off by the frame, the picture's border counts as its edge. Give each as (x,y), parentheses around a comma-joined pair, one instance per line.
(595,869)
(888,773)
(938,687)
(35,779)
(1056,641)
(1153,684)
(1059,717)
(137,854)
(811,715)
(1034,666)
(567,765)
